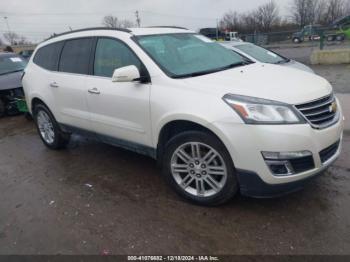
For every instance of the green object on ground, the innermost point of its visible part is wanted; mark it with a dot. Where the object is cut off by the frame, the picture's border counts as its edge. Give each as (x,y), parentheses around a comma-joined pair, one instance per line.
(22,105)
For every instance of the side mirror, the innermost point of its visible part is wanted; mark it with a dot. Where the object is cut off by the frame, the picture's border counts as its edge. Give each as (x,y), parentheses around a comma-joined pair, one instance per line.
(126,74)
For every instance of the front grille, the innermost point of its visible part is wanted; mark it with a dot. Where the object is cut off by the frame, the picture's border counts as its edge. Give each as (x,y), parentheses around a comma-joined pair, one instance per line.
(320,113)
(329,152)
(302,164)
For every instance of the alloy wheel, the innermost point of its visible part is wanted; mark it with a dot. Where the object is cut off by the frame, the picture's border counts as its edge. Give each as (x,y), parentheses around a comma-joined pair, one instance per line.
(45,126)
(199,169)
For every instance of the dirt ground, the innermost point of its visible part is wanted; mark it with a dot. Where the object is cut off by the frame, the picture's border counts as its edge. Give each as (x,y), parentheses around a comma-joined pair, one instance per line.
(93,198)
(302,52)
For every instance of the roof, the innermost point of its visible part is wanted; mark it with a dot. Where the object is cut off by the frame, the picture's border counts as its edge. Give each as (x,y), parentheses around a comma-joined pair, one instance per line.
(132,31)
(158,30)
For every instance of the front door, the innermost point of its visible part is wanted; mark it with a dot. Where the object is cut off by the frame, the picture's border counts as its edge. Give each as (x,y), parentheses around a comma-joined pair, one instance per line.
(118,111)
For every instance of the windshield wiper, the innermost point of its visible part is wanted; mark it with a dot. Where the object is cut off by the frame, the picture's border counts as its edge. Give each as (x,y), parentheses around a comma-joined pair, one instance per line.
(206,72)
(11,72)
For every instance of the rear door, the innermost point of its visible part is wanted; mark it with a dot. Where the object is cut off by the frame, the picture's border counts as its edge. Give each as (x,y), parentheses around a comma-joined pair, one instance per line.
(69,83)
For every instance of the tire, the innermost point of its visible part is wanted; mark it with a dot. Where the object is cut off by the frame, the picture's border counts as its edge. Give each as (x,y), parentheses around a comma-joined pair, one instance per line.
(330,38)
(48,128)
(340,38)
(198,172)
(296,40)
(2,108)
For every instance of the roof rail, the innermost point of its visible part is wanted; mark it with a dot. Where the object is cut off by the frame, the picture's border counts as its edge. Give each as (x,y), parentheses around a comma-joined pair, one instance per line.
(165,26)
(90,29)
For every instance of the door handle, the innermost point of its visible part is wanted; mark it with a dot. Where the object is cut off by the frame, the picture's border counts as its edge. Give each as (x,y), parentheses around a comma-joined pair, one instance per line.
(94,91)
(54,85)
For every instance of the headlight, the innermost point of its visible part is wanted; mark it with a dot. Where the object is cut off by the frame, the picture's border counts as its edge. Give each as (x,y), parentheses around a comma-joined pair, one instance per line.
(261,111)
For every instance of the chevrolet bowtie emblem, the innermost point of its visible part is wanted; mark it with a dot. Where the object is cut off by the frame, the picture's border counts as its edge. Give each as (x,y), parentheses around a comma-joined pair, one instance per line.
(333,107)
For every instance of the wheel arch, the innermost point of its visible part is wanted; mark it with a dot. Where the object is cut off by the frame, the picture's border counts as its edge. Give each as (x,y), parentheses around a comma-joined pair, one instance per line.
(174,127)
(36,100)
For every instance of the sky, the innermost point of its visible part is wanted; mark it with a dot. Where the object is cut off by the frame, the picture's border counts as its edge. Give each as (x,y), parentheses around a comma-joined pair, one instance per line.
(38,19)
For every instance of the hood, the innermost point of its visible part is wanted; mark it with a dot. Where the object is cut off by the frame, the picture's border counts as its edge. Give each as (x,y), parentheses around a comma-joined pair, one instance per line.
(10,81)
(266,81)
(300,66)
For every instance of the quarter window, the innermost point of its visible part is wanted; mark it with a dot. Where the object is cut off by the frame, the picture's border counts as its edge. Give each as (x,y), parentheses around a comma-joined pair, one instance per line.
(47,56)
(75,56)
(112,54)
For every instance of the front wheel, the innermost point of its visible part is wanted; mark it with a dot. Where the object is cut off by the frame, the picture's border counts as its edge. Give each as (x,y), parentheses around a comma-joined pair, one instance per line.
(48,129)
(199,168)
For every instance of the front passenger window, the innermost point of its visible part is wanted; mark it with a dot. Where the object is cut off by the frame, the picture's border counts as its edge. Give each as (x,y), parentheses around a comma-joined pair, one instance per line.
(112,54)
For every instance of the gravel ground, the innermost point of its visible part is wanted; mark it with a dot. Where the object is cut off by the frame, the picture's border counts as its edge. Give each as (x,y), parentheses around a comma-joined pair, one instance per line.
(302,53)
(337,75)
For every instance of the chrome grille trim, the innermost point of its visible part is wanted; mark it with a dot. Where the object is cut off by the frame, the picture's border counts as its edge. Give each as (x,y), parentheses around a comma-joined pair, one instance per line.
(317,112)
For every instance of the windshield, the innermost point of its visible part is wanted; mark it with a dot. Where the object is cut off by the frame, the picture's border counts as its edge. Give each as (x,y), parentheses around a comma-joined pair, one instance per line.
(185,55)
(11,63)
(261,54)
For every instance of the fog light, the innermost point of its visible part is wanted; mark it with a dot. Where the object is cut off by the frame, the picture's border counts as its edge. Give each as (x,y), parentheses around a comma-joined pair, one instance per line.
(280,163)
(280,168)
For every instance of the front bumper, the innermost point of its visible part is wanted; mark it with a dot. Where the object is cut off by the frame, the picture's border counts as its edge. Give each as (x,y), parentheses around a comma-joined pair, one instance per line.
(252,185)
(246,142)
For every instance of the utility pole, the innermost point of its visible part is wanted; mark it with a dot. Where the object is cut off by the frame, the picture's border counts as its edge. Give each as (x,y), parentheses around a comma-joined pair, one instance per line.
(138,19)
(7,23)
(217,29)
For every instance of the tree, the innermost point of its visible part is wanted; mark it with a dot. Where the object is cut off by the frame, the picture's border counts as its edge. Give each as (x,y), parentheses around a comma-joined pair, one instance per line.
(303,12)
(267,15)
(264,18)
(114,22)
(249,21)
(126,24)
(110,21)
(231,21)
(320,11)
(347,8)
(11,37)
(335,9)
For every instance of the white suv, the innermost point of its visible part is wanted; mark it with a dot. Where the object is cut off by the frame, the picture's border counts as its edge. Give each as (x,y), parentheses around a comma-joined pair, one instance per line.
(217,124)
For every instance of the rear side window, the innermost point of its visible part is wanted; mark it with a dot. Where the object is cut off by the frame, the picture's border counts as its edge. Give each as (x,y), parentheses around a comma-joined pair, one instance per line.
(47,57)
(75,56)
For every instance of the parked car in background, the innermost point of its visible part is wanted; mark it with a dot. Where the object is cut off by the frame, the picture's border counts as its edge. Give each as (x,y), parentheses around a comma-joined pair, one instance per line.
(11,70)
(262,55)
(216,125)
(26,54)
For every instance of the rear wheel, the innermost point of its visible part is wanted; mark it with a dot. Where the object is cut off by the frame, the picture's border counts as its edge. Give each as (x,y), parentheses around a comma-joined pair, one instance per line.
(199,168)
(296,40)
(49,130)
(340,38)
